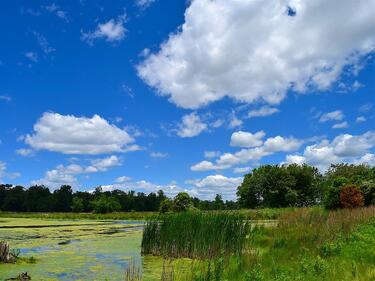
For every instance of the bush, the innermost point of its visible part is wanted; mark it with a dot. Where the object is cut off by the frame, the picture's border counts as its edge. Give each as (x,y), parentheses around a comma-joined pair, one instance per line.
(351,197)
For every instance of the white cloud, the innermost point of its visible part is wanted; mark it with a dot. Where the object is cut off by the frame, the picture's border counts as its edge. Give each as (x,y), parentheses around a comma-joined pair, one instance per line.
(25,152)
(254,51)
(368,159)
(218,123)
(102,165)
(122,179)
(241,170)
(5,174)
(112,31)
(144,3)
(209,186)
(246,139)
(360,119)
(295,159)
(263,111)
(66,175)
(336,115)
(158,155)
(366,107)
(342,125)
(3,168)
(206,166)
(211,154)
(55,9)
(43,43)
(191,126)
(343,148)
(78,135)
(171,189)
(235,122)
(270,146)
(32,56)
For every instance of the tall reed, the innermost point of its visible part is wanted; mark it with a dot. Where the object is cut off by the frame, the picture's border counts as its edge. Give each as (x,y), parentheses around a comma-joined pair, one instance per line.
(196,235)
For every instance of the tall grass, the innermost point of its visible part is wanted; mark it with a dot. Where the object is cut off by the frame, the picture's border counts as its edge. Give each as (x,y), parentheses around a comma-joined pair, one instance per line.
(195,235)
(307,227)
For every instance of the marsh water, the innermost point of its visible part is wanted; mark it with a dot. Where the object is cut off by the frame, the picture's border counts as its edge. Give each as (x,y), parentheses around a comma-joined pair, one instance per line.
(75,250)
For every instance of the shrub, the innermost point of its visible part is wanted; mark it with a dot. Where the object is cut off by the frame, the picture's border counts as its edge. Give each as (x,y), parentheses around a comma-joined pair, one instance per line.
(351,197)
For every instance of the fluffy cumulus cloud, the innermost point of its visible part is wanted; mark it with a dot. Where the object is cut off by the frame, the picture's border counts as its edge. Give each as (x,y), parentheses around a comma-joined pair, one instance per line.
(246,139)
(209,186)
(343,148)
(191,126)
(67,174)
(256,151)
(69,134)
(112,31)
(226,48)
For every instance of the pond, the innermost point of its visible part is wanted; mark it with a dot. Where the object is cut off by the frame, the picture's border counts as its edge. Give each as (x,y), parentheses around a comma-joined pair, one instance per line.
(76,250)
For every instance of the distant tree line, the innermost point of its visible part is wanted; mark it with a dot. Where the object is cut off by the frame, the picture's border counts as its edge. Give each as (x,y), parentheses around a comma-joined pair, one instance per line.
(39,198)
(269,186)
(341,186)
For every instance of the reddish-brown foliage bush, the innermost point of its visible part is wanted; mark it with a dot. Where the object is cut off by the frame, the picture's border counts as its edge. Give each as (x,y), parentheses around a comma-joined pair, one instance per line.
(351,197)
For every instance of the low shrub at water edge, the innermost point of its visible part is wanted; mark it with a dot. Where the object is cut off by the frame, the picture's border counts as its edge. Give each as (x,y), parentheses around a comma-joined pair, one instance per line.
(195,235)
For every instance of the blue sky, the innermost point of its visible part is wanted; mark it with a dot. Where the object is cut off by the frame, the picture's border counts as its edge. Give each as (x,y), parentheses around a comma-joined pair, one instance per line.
(180,95)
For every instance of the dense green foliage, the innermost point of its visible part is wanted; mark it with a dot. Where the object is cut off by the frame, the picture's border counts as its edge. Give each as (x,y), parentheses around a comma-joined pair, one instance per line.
(276,186)
(280,186)
(41,199)
(200,235)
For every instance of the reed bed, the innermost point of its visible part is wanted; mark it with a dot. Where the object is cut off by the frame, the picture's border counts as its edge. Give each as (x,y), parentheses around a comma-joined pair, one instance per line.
(195,235)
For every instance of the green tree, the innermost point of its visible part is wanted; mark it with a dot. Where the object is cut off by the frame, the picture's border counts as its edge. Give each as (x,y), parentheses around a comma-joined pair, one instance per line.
(105,204)
(165,206)
(332,193)
(77,205)
(218,202)
(182,202)
(63,198)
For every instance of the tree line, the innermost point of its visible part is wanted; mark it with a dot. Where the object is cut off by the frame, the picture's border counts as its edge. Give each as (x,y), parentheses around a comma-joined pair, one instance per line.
(39,198)
(341,186)
(269,186)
